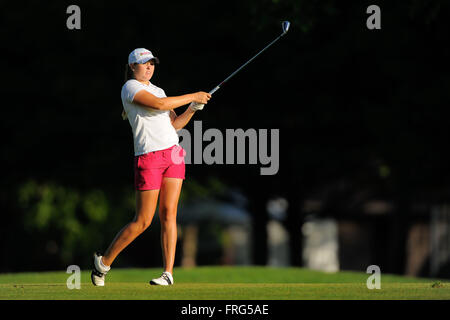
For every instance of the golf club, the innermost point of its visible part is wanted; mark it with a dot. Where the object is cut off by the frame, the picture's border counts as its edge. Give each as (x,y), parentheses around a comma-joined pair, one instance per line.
(284,25)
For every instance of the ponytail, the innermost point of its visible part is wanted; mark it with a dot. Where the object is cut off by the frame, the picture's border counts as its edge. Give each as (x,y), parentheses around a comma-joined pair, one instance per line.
(128,75)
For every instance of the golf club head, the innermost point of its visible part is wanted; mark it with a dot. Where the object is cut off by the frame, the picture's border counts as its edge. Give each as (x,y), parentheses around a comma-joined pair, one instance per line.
(285,25)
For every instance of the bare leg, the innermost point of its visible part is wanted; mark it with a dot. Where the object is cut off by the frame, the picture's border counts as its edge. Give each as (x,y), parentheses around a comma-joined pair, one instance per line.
(145,209)
(168,203)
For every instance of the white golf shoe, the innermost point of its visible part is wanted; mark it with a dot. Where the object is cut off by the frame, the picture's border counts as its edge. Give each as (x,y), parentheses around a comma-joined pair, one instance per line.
(166,279)
(99,271)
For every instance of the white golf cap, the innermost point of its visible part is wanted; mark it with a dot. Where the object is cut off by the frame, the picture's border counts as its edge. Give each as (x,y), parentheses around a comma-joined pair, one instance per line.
(141,55)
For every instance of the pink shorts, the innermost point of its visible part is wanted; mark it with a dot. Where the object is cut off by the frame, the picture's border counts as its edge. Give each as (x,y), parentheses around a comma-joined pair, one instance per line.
(150,168)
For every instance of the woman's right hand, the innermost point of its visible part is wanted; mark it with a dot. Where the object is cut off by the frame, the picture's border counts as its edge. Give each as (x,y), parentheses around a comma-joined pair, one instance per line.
(201,97)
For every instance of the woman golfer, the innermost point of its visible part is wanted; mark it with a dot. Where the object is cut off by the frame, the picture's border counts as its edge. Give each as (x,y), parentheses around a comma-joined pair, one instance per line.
(158,161)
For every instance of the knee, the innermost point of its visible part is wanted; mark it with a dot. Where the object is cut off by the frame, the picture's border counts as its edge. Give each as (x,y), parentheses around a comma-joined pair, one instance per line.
(168,214)
(140,225)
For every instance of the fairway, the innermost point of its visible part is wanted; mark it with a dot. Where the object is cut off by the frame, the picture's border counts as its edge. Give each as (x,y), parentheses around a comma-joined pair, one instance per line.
(221,283)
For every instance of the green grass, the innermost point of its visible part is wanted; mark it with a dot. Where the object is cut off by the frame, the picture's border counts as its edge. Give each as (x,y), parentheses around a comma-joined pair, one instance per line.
(222,283)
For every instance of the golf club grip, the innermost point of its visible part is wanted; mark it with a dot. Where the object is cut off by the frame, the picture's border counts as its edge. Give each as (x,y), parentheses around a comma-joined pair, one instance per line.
(211,92)
(214,90)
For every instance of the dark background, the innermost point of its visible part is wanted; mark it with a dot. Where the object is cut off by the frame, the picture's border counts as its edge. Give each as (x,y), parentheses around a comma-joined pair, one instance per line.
(362,116)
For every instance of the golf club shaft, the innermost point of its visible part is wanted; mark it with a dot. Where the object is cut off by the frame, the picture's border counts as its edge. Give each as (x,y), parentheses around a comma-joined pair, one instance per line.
(241,67)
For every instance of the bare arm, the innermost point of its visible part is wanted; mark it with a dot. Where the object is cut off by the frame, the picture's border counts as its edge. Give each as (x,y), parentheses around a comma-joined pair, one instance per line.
(178,122)
(147,99)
